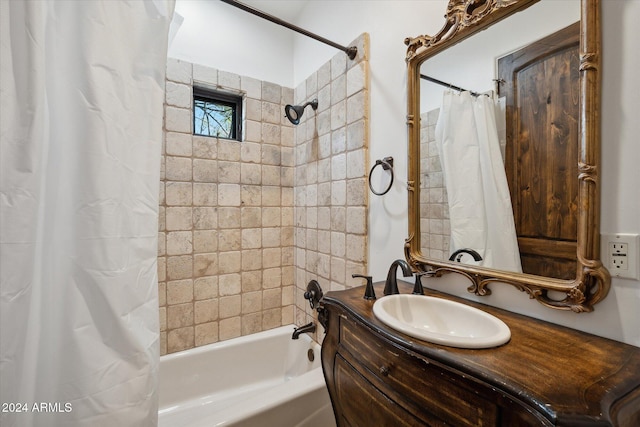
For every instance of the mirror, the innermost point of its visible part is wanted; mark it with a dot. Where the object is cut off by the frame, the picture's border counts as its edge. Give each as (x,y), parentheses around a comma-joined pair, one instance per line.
(513,198)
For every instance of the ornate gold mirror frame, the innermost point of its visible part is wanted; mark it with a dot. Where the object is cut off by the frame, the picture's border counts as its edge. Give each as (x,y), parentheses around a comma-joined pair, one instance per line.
(592,282)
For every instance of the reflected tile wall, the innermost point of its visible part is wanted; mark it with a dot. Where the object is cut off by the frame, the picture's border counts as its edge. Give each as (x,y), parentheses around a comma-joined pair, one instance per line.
(435,229)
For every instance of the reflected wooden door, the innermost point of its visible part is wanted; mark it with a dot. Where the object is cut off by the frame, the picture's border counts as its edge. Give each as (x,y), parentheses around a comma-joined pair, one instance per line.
(542,89)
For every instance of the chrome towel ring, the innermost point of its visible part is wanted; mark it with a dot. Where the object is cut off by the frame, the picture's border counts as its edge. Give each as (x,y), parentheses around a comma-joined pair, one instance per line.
(387,164)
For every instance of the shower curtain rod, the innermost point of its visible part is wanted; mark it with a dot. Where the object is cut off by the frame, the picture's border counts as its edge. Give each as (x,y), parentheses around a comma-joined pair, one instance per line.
(449,85)
(351,51)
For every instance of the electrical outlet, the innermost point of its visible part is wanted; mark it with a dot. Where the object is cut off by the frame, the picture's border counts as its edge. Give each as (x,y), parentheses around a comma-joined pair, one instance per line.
(620,252)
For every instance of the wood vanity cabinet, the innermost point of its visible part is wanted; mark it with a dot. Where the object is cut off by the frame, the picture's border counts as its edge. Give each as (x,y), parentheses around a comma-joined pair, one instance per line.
(546,375)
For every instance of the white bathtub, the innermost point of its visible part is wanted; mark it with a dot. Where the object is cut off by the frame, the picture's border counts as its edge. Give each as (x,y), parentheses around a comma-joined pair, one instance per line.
(262,380)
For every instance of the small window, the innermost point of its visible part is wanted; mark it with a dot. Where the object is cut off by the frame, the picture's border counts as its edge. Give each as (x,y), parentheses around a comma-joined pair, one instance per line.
(217,114)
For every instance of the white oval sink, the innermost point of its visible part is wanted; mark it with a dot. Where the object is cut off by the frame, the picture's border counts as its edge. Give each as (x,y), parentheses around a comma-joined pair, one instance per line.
(441,321)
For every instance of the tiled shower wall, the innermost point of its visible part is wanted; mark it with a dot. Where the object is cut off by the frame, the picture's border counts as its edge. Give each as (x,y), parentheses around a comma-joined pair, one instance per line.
(331,169)
(226,215)
(245,225)
(435,229)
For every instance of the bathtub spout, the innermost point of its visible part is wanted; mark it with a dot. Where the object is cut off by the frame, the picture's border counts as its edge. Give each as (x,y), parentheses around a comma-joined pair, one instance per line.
(309,327)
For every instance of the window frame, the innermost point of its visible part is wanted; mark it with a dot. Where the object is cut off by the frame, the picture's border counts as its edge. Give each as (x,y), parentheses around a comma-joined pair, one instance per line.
(222,98)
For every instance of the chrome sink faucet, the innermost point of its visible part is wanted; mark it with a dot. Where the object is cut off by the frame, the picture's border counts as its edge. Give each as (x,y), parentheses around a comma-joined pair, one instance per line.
(391,285)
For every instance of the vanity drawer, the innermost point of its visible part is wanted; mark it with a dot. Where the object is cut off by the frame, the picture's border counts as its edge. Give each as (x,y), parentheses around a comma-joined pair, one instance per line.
(363,405)
(438,393)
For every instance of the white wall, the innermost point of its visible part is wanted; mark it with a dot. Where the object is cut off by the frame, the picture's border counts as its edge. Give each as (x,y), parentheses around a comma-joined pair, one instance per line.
(388,23)
(221,36)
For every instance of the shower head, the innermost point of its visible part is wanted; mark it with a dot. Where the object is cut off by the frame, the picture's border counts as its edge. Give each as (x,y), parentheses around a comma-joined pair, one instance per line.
(294,112)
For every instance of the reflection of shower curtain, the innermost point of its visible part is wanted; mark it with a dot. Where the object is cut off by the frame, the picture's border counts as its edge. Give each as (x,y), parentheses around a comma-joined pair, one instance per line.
(82,87)
(480,209)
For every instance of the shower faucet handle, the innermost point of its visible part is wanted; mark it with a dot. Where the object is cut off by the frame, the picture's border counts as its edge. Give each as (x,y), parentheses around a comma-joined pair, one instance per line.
(313,293)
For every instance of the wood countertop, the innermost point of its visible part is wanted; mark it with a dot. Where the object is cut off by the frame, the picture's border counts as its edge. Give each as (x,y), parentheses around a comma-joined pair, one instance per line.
(570,376)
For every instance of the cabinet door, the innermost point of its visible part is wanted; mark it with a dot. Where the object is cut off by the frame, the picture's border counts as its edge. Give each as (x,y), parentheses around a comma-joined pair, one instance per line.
(364,405)
(422,388)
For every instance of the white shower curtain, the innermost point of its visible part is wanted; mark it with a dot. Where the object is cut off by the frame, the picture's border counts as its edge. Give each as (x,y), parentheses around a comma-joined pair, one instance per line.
(82,86)
(480,209)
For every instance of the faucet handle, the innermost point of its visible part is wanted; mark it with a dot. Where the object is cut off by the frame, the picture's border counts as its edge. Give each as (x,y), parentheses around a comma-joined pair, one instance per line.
(369,292)
(417,288)
(313,293)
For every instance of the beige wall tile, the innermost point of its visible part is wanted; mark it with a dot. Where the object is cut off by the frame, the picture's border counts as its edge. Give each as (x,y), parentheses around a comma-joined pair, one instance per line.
(251,152)
(179,316)
(205,194)
(251,217)
(229,284)
(177,168)
(205,170)
(163,343)
(271,257)
(228,80)
(230,306)
(251,173)
(204,74)
(272,298)
(205,264)
(252,87)
(271,112)
(180,339)
(229,195)
(229,217)
(251,259)
(270,135)
(251,280)
(228,172)
(179,291)
(178,71)
(206,311)
(179,267)
(271,318)
(271,278)
(271,92)
(178,144)
(179,242)
(229,240)
(205,287)
(205,218)
(162,269)
(357,192)
(229,328)
(205,147)
(229,262)
(271,175)
(163,318)
(177,119)
(178,218)
(206,333)
(178,95)
(228,150)
(271,196)
(251,302)
(251,323)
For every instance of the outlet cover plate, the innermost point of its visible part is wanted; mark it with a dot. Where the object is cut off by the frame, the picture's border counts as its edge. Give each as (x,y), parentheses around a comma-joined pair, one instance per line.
(612,256)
